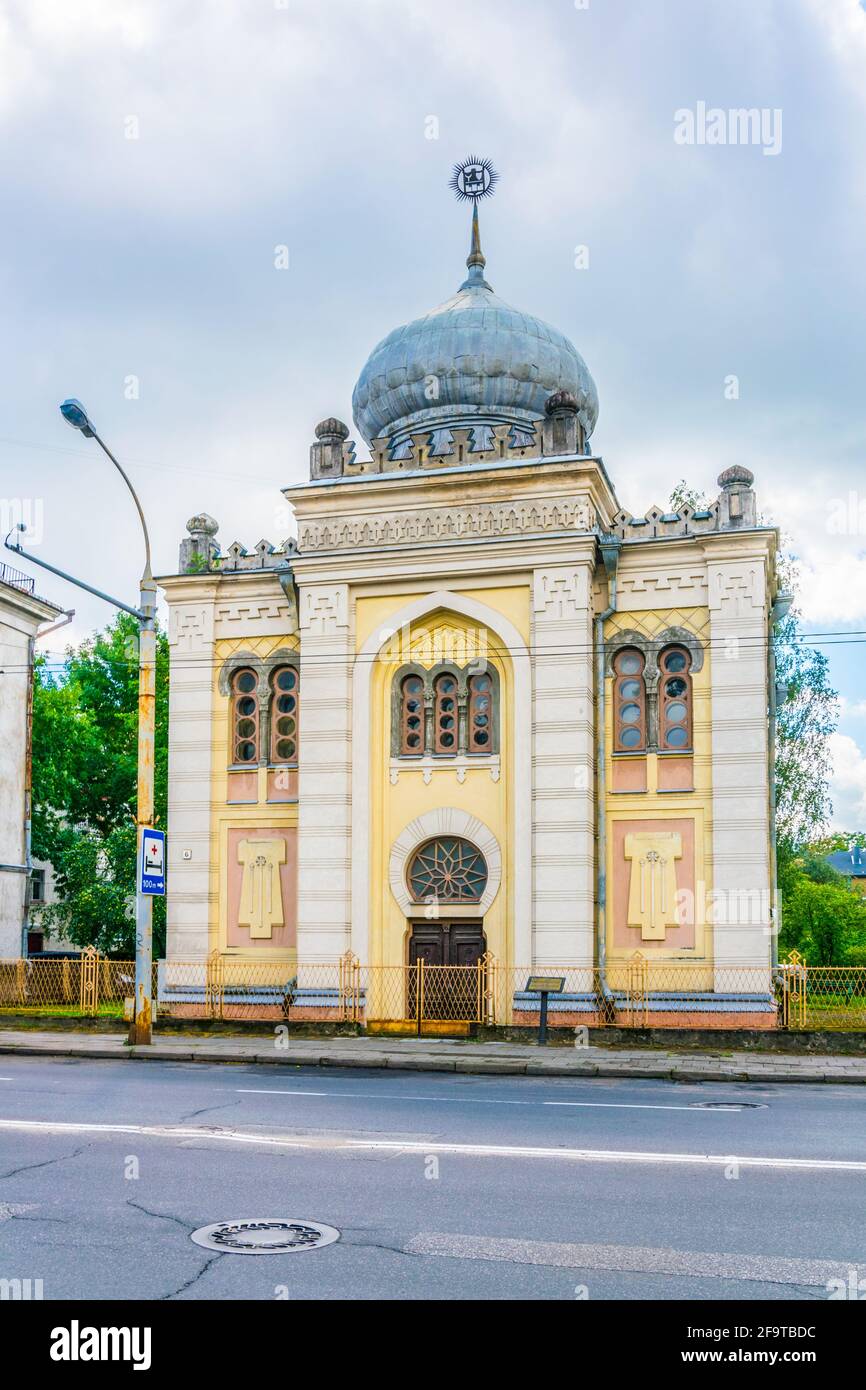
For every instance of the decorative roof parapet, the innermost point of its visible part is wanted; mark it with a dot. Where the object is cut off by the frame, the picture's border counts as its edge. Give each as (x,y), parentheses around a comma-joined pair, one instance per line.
(733,509)
(200,552)
(442,444)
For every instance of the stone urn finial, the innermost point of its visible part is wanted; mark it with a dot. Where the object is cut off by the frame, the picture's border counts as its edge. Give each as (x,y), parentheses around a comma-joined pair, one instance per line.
(326,454)
(737,500)
(561,430)
(198,550)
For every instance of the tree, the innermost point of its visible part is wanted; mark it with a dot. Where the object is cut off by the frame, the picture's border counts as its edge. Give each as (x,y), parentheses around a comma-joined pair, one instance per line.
(822,921)
(85,755)
(805,720)
(838,840)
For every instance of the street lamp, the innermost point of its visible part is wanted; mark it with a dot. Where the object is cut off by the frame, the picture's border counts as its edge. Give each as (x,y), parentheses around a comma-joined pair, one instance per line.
(75,415)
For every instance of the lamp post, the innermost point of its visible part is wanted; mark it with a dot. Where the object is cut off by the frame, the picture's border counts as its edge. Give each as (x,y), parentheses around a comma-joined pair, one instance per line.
(75,415)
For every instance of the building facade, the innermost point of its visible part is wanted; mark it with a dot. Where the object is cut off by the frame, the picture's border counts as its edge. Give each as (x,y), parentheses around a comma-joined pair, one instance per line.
(477,707)
(22,613)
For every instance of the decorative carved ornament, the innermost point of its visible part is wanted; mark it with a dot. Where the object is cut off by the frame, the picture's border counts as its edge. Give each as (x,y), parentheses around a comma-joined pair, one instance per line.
(190,626)
(560,593)
(447,523)
(324,609)
(261,905)
(652,894)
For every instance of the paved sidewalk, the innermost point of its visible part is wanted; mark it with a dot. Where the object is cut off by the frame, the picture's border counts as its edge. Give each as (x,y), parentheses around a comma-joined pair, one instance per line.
(437,1054)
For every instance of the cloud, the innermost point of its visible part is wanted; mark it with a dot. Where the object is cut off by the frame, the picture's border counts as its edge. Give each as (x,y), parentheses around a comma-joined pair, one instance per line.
(304,124)
(848,784)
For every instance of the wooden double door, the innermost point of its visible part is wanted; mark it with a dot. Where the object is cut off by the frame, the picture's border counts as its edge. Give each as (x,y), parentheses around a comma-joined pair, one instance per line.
(445,979)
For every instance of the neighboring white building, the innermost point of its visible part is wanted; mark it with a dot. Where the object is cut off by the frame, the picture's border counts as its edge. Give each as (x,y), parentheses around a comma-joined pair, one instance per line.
(21,615)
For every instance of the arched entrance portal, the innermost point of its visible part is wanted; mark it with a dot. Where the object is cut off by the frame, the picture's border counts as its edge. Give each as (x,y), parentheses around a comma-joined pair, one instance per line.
(446,876)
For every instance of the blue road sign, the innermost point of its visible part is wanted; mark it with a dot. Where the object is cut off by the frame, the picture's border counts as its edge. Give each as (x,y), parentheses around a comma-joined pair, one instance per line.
(153,862)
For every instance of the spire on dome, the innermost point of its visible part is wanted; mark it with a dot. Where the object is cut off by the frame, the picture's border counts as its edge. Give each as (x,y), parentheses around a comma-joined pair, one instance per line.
(472,180)
(475,261)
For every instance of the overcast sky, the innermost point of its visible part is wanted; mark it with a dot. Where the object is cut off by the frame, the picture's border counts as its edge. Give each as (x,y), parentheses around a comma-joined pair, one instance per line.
(156,152)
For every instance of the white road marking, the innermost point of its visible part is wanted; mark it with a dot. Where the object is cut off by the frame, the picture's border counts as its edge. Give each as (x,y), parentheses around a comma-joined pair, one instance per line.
(472,1100)
(326,1143)
(720,1108)
(764,1269)
(261,1091)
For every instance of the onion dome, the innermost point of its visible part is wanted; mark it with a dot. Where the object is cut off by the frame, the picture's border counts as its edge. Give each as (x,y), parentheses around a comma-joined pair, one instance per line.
(471,362)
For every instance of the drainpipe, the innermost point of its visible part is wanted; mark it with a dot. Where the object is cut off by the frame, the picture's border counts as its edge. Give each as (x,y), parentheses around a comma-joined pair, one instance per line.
(610,547)
(778,613)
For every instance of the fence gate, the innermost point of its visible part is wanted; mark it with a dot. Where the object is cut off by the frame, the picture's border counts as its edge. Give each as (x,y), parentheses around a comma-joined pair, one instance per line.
(443,994)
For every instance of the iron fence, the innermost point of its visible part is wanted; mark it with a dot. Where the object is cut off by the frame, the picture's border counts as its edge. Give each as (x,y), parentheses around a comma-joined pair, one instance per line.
(86,985)
(634,993)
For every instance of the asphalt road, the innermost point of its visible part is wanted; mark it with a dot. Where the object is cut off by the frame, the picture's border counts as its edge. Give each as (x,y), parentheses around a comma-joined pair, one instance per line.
(442,1186)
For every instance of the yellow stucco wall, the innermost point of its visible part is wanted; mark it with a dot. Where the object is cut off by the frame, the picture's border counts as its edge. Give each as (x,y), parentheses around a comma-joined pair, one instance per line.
(668,805)
(442,636)
(225,816)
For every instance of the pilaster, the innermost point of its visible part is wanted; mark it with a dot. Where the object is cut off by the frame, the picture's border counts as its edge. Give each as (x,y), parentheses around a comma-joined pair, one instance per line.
(562,761)
(324,774)
(738,604)
(190,710)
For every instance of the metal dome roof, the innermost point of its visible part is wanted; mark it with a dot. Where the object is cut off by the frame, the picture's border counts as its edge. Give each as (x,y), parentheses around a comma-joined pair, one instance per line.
(472,360)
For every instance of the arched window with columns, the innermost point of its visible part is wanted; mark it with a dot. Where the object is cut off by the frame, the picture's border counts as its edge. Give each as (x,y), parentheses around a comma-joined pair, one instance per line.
(629,709)
(445,714)
(445,711)
(413,723)
(284,715)
(245,732)
(675,704)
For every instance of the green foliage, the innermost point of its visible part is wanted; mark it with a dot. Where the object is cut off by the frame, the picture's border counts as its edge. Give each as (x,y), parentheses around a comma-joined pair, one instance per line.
(822,916)
(95,882)
(838,840)
(85,755)
(805,721)
(823,922)
(682,495)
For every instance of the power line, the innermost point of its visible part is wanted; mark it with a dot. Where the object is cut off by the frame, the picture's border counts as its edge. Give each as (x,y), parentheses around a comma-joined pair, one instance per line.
(752,645)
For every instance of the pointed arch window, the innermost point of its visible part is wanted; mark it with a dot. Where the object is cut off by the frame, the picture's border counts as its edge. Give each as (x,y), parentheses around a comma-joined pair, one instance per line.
(245,717)
(285,712)
(412,716)
(629,701)
(675,705)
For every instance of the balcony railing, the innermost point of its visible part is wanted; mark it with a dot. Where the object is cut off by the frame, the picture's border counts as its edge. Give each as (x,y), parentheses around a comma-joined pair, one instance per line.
(17,579)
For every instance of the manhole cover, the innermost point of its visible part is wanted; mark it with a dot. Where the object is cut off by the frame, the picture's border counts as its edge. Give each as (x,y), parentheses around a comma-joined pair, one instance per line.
(727,1105)
(265,1235)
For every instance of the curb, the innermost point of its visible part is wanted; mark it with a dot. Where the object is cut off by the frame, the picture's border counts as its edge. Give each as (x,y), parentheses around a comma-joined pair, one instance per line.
(690,1070)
